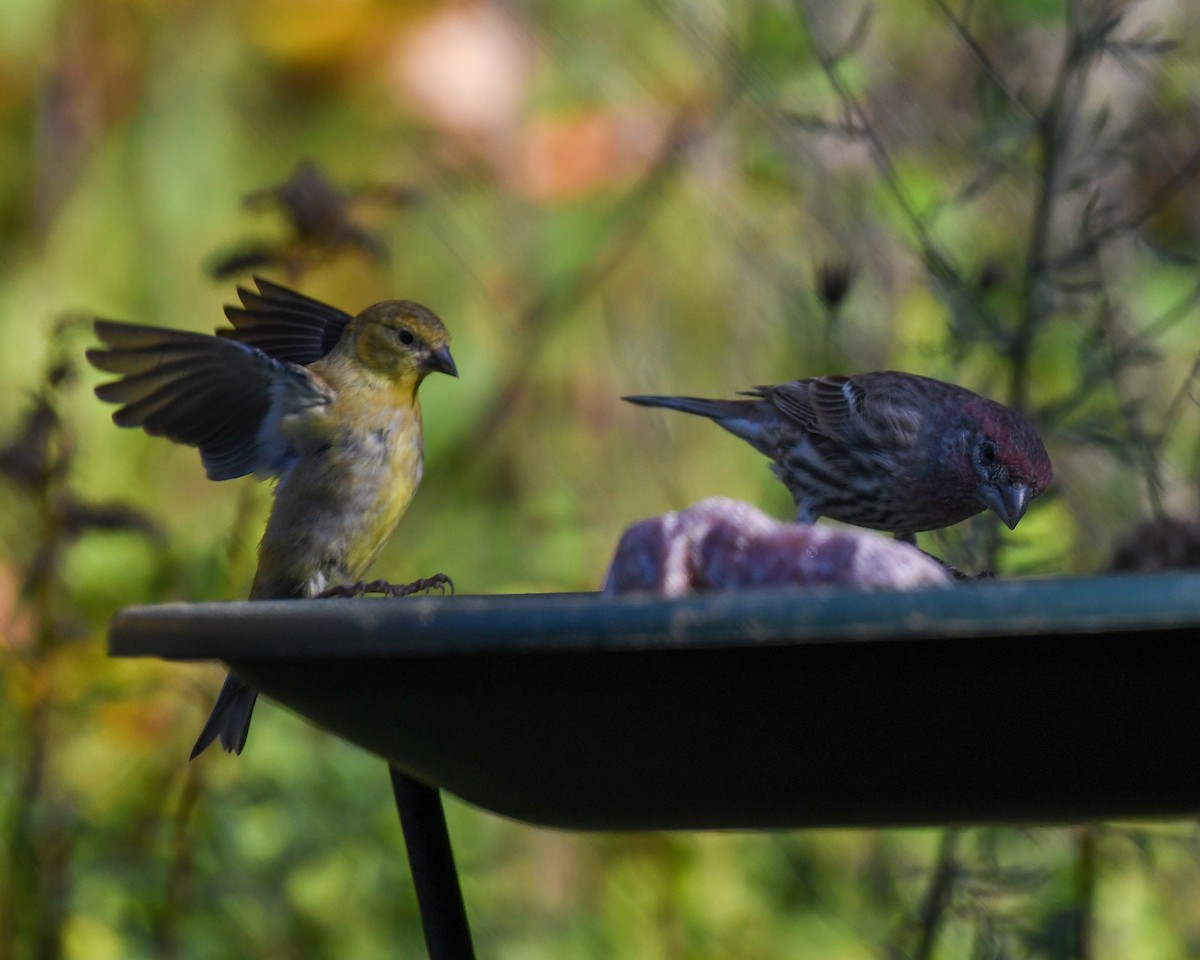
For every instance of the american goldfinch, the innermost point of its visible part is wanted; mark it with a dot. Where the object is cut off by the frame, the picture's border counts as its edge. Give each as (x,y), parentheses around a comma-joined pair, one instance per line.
(300,391)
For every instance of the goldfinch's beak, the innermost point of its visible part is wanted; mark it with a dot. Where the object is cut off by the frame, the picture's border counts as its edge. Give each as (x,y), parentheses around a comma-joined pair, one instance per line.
(441,361)
(1008,500)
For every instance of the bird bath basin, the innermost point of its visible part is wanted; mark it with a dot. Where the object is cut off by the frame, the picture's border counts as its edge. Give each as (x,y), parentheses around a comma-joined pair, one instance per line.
(1015,702)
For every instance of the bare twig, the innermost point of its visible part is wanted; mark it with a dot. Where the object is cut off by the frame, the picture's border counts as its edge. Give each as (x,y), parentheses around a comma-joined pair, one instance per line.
(32,906)
(858,120)
(177,891)
(918,937)
(1094,367)
(1085,891)
(1054,127)
(1093,242)
(1186,391)
(936,261)
(937,895)
(987,68)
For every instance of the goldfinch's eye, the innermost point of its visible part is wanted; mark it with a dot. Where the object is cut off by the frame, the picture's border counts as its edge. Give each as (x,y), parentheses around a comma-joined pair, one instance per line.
(406,336)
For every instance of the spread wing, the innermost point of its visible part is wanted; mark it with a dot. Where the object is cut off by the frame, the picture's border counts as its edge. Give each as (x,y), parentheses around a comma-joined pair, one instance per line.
(224,397)
(285,324)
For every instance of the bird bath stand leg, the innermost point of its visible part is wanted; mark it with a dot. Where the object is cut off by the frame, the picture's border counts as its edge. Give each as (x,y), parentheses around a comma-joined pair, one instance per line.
(443,916)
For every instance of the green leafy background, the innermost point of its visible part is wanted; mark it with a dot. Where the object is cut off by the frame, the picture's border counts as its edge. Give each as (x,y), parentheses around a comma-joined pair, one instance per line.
(631,196)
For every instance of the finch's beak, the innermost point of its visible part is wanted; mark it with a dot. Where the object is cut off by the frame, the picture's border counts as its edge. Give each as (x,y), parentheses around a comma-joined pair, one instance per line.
(1008,500)
(441,361)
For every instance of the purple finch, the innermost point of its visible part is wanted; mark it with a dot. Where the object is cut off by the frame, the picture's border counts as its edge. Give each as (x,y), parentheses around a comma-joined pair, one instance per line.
(889,451)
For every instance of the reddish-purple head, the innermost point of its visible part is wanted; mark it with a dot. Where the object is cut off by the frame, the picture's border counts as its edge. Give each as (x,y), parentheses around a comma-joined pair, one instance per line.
(1007,460)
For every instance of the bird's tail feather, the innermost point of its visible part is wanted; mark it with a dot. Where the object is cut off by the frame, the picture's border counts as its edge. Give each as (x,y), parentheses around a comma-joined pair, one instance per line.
(742,418)
(713,409)
(230,718)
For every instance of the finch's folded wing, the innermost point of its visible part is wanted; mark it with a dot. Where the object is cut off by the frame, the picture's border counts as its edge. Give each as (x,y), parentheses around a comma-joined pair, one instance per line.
(824,405)
(221,396)
(875,410)
(285,324)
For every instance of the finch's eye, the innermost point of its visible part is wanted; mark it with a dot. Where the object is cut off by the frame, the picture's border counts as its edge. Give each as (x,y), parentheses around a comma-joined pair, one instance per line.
(406,336)
(987,453)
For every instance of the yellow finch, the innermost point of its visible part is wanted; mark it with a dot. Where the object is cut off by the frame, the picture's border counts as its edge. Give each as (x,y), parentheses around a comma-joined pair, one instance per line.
(301,391)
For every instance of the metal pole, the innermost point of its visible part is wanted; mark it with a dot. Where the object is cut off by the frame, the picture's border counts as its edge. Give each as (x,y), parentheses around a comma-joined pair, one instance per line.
(431,860)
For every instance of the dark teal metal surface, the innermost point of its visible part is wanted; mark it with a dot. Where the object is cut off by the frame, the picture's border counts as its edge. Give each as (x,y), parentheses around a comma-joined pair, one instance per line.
(1032,701)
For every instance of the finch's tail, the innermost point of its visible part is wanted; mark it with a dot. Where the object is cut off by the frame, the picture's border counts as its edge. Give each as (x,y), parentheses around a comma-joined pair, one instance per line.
(230,718)
(742,418)
(713,409)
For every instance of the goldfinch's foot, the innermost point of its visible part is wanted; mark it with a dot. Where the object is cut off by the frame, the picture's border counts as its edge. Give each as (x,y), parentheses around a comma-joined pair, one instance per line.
(439,581)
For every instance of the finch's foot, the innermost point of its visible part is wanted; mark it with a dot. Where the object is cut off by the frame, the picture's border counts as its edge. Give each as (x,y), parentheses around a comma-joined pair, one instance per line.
(955,574)
(439,582)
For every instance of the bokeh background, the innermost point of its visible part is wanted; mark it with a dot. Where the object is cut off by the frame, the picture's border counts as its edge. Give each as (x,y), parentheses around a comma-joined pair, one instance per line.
(598,198)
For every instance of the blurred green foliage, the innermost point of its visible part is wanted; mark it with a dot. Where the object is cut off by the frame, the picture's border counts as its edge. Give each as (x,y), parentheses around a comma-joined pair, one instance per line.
(598,198)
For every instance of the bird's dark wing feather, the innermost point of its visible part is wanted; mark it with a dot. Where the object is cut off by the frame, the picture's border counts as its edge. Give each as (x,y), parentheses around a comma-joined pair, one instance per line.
(285,324)
(825,406)
(224,397)
(891,407)
(878,410)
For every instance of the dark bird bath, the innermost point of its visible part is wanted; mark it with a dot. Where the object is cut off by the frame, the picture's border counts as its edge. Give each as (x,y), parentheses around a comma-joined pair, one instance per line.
(1005,702)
